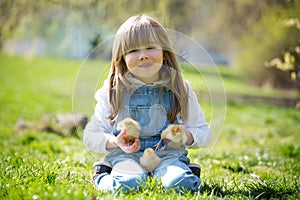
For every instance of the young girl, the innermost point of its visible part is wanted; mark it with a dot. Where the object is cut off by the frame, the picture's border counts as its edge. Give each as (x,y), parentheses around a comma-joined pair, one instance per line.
(145,84)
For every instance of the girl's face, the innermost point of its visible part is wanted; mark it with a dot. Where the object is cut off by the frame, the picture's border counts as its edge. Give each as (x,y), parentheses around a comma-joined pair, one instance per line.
(145,62)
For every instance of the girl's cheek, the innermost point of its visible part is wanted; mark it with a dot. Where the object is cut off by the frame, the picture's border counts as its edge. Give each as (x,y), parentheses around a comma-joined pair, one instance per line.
(127,59)
(130,62)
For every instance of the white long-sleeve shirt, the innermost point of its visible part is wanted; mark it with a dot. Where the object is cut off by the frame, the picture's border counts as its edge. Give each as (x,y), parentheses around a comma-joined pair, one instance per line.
(100,128)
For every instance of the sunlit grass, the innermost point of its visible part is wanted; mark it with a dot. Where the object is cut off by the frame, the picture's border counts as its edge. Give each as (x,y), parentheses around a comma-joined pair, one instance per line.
(257,155)
(200,76)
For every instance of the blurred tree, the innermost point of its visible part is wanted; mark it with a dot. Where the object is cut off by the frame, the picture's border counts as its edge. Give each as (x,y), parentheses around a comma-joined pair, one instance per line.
(178,14)
(48,17)
(11,14)
(245,30)
(290,60)
(94,42)
(265,40)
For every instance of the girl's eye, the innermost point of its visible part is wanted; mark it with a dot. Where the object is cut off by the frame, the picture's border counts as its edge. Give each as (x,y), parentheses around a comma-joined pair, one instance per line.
(151,48)
(133,50)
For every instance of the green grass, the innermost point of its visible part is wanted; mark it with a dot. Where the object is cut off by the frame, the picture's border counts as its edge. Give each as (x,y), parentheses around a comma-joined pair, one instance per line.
(256,156)
(200,76)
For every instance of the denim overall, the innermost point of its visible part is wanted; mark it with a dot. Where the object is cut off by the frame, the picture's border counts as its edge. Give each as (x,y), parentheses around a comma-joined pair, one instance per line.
(149,106)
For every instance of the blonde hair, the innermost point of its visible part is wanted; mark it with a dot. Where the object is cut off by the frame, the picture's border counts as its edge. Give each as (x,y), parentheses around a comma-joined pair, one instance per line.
(132,34)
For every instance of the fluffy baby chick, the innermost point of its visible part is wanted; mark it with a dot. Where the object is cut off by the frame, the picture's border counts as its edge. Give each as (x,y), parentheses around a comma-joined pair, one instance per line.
(149,161)
(132,129)
(175,133)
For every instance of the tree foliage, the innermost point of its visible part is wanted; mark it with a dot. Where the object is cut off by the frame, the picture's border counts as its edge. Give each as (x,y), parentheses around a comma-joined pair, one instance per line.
(289,61)
(265,40)
(248,32)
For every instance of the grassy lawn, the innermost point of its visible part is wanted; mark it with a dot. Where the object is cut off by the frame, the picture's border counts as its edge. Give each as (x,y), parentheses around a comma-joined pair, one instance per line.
(256,157)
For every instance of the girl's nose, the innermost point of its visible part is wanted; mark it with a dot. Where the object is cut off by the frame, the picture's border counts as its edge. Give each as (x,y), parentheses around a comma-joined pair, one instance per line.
(143,55)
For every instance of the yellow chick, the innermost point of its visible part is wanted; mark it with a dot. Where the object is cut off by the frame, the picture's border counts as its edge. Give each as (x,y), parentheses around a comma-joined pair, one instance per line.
(131,127)
(149,161)
(175,133)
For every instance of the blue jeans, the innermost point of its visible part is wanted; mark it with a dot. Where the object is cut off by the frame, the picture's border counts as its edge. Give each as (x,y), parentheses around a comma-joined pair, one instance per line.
(149,106)
(127,173)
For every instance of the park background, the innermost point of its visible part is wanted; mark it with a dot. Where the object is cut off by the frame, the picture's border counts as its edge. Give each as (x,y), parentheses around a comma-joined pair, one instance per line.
(254,46)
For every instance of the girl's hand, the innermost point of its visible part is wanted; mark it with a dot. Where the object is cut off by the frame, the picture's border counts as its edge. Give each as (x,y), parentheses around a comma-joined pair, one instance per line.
(172,144)
(175,145)
(190,139)
(128,147)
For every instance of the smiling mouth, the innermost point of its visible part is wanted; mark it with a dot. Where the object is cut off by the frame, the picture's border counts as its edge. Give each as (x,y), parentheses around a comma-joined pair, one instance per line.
(147,65)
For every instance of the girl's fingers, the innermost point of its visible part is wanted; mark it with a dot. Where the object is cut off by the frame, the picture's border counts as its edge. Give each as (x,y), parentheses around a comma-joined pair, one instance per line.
(174,145)
(120,138)
(132,148)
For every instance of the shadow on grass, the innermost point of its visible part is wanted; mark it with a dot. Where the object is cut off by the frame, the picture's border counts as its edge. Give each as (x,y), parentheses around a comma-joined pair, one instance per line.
(253,189)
